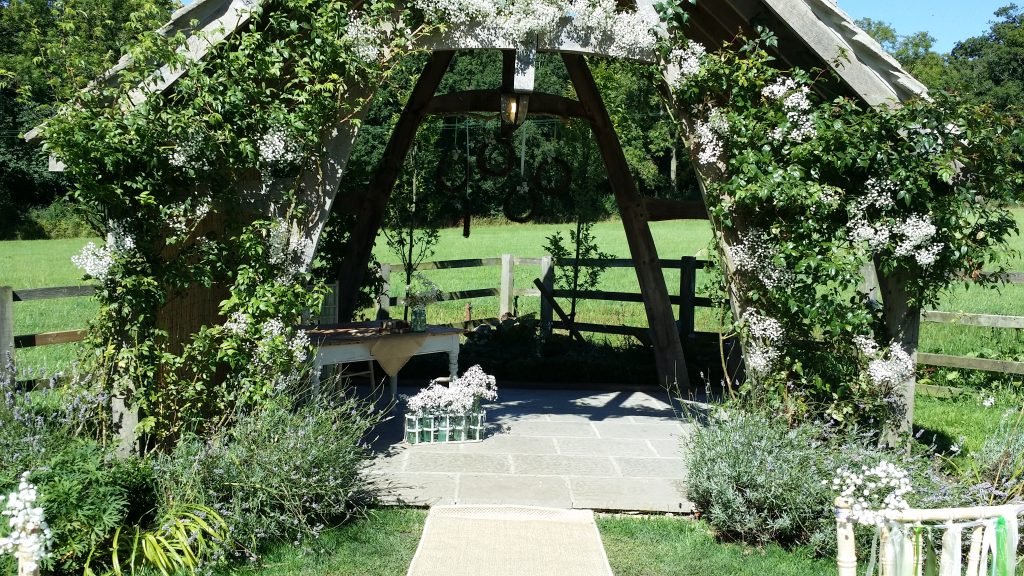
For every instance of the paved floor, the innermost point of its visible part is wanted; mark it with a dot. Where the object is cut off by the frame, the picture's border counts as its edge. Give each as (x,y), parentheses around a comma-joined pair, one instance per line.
(556,448)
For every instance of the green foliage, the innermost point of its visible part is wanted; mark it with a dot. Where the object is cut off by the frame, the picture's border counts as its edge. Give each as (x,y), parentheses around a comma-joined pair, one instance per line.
(807,193)
(757,480)
(279,473)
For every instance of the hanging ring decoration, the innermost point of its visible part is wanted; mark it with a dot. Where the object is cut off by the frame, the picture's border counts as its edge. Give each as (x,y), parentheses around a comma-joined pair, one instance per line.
(535,201)
(552,166)
(508,157)
(443,173)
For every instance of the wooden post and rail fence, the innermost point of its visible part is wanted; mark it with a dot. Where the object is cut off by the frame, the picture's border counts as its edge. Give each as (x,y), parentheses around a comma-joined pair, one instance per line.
(686,299)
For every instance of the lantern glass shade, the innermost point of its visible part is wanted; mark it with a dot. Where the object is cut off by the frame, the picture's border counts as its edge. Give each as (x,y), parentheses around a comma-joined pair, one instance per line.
(513,108)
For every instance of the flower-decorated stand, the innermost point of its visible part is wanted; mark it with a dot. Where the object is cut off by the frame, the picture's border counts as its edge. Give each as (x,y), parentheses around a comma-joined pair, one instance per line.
(450,413)
(434,428)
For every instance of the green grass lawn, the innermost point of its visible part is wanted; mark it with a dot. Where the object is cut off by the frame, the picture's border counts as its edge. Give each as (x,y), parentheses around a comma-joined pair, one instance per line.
(384,543)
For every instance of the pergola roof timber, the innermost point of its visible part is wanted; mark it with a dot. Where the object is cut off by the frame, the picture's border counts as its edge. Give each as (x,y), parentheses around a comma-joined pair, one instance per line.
(812,34)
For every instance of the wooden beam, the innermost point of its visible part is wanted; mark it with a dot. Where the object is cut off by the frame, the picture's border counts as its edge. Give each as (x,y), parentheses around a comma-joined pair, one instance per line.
(567,322)
(370,215)
(661,209)
(668,348)
(489,101)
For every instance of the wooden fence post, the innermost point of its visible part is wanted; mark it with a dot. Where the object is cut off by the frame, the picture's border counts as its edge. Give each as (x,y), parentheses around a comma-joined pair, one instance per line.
(126,420)
(507,285)
(687,293)
(384,300)
(6,327)
(547,278)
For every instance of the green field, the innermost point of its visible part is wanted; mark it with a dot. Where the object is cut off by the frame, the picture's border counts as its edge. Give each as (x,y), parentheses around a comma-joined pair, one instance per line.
(42,263)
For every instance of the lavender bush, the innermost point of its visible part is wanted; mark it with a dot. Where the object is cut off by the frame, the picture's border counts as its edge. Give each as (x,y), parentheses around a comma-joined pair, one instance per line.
(278,473)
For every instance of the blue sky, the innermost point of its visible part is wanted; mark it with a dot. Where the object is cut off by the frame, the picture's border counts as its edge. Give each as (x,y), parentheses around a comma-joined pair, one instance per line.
(948,21)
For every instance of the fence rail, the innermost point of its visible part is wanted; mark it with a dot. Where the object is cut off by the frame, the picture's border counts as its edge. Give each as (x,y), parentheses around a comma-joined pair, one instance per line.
(686,299)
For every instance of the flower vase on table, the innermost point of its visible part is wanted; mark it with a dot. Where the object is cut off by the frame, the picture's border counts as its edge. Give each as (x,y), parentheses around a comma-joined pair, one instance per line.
(418,294)
(418,320)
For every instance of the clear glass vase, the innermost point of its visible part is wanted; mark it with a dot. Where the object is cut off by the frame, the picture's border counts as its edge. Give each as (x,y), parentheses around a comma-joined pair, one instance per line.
(418,320)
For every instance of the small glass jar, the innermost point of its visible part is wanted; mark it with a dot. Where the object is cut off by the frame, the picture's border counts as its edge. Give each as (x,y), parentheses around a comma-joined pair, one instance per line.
(418,320)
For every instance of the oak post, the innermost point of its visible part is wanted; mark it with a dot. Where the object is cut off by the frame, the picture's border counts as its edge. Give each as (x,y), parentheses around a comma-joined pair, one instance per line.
(668,348)
(6,328)
(687,293)
(507,285)
(547,278)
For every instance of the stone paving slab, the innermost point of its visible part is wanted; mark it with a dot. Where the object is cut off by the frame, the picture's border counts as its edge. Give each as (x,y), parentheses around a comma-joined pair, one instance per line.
(651,467)
(562,465)
(547,491)
(605,446)
(582,449)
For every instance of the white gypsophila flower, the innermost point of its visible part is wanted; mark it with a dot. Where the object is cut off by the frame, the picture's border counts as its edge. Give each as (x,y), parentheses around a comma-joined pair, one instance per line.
(891,371)
(94,260)
(459,397)
(763,328)
(300,346)
(277,147)
(30,536)
(238,323)
(688,60)
(756,254)
(709,132)
(367,39)
(761,358)
(874,493)
(867,345)
(272,328)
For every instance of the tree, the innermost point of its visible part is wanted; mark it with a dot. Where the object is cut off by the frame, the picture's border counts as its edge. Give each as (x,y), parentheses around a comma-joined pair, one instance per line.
(990,68)
(48,51)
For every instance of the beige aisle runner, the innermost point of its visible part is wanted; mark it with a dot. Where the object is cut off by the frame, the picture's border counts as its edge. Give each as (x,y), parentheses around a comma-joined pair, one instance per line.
(509,541)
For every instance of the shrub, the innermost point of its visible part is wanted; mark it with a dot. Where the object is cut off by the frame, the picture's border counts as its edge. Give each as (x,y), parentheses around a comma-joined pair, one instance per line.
(59,219)
(757,480)
(278,473)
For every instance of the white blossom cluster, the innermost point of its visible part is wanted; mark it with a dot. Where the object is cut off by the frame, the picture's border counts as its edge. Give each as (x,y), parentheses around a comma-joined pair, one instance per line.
(30,536)
(709,132)
(188,152)
(94,260)
(756,254)
(797,105)
(766,333)
(459,397)
(874,492)
(286,248)
(237,323)
(368,39)
(688,61)
(887,372)
(277,147)
(620,32)
(182,218)
(911,237)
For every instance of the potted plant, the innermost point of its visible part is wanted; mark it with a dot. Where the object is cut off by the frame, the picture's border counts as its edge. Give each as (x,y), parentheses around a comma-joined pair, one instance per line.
(418,294)
(451,413)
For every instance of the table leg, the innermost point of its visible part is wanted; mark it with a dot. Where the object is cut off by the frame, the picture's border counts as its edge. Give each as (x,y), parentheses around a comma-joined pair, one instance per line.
(453,363)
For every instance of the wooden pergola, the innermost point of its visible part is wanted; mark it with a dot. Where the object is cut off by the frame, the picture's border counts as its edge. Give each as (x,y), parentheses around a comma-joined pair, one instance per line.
(812,34)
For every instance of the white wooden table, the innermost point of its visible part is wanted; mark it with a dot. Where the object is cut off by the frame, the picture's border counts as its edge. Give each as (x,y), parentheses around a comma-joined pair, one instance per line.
(342,343)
